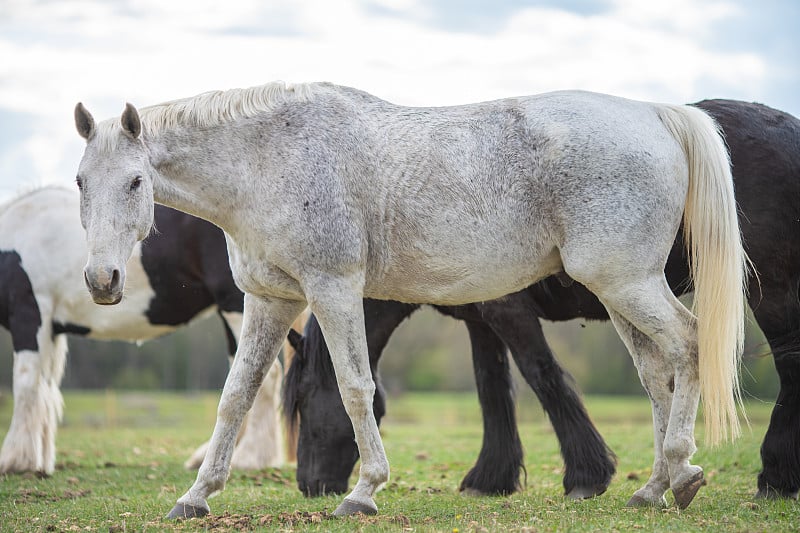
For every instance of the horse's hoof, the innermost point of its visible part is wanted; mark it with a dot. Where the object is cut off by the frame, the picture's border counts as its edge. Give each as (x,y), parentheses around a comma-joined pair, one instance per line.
(184,510)
(771,493)
(584,493)
(348,507)
(685,493)
(638,501)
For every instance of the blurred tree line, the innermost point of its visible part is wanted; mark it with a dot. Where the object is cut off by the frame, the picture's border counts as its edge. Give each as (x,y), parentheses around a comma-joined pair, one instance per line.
(427,352)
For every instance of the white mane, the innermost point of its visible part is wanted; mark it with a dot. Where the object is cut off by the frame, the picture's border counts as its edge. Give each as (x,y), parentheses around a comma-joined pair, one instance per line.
(207,109)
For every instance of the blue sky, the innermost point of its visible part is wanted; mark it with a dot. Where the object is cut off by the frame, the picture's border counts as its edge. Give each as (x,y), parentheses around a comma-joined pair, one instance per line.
(54,53)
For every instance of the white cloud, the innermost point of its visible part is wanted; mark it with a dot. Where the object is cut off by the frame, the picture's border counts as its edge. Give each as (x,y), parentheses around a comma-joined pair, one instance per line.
(104,53)
(685,16)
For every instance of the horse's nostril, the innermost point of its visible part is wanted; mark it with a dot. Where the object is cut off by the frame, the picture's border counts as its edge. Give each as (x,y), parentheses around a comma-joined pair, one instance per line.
(86,280)
(114,279)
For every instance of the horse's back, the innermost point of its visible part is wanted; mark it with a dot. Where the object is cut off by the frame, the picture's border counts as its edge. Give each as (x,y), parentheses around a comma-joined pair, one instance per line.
(41,223)
(765,154)
(33,226)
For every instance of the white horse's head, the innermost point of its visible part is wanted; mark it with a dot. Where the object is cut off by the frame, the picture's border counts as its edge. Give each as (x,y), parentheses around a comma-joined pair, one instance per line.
(115,178)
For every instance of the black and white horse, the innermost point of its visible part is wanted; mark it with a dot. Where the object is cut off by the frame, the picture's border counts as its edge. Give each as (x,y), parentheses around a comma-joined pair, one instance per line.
(180,273)
(765,152)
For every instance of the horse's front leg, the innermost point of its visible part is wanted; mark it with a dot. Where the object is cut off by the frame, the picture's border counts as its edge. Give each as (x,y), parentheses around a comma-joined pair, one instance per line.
(30,444)
(265,324)
(339,309)
(499,463)
(260,441)
(23,447)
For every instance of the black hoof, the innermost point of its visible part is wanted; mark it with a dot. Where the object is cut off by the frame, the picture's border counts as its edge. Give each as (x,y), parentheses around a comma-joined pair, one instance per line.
(349,507)
(687,491)
(584,493)
(182,510)
(771,493)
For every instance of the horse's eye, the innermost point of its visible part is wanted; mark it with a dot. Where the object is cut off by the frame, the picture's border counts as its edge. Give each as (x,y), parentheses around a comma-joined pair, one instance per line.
(79,182)
(136,182)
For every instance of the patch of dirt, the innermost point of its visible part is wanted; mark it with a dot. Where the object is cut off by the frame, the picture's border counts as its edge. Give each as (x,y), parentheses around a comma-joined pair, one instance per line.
(285,521)
(244,522)
(33,495)
(270,476)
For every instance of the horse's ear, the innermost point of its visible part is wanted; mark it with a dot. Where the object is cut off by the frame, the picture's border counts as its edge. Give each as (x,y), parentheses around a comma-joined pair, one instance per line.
(131,124)
(84,121)
(295,340)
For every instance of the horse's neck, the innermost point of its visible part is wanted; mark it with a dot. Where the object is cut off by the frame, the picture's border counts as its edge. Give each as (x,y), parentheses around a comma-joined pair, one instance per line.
(190,181)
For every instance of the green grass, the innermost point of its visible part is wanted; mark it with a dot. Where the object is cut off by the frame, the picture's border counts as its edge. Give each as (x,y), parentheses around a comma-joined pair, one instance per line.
(120,469)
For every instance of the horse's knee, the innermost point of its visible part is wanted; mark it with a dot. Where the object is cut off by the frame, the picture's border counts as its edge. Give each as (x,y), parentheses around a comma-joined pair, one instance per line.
(231,406)
(27,372)
(358,398)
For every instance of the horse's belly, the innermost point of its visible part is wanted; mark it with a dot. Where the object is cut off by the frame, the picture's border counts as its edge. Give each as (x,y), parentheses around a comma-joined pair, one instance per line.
(473,274)
(126,321)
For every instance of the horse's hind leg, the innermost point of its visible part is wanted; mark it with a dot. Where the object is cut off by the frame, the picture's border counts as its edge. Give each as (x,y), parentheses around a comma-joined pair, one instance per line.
(778,315)
(780,451)
(646,358)
(661,335)
(499,463)
(589,463)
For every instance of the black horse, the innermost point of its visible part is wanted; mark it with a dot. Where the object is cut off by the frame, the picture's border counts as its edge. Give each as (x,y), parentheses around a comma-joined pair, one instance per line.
(326,449)
(765,154)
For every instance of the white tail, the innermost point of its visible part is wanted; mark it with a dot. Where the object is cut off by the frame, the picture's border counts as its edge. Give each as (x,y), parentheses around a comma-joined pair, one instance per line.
(718,266)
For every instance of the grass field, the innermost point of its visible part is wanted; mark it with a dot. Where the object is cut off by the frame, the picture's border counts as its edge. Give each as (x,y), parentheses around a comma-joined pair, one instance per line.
(120,456)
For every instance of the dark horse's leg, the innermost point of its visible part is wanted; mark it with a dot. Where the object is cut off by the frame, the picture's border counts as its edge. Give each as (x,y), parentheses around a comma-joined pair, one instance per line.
(589,463)
(499,463)
(778,315)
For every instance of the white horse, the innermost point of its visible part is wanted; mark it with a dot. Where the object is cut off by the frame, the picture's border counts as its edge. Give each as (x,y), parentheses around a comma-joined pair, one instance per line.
(328,194)
(180,273)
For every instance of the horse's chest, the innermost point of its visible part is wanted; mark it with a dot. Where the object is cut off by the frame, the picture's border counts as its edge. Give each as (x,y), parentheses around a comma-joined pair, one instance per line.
(257,275)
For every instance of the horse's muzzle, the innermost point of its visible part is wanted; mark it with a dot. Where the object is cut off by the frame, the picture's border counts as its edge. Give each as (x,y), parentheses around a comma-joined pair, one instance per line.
(105,285)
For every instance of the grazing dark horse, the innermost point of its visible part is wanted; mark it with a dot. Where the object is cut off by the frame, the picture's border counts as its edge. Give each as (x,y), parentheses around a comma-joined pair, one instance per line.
(180,273)
(326,451)
(765,152)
